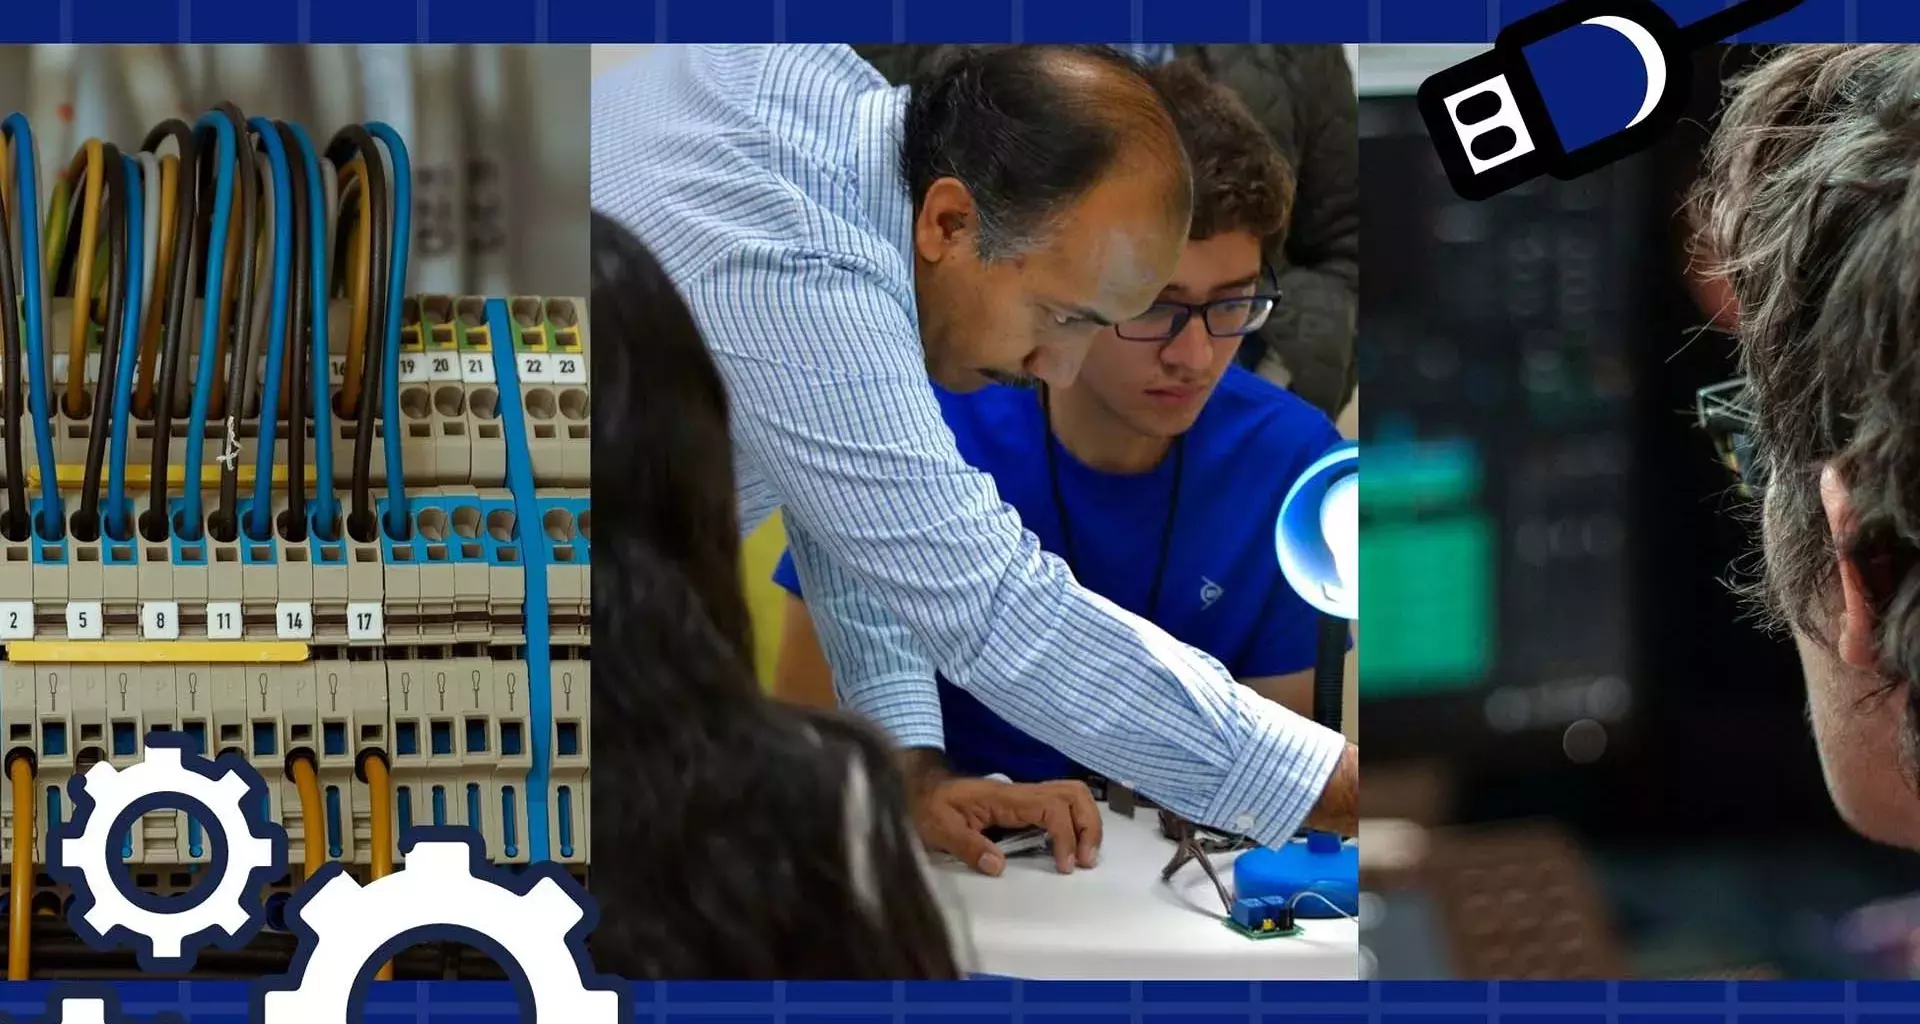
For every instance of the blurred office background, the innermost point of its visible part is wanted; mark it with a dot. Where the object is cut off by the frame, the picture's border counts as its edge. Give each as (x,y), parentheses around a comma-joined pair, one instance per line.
(497,134)
(1583,760)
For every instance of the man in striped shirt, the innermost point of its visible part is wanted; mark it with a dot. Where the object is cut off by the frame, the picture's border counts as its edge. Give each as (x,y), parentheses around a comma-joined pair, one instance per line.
(839,241)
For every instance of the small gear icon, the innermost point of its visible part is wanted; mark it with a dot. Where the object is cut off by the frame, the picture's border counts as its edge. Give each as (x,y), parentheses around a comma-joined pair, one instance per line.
(535,922)
(225,795)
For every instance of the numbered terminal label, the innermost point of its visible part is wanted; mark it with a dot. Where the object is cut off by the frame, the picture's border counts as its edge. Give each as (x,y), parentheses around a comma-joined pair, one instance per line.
(160,620)
(84,620)
(223,620)
(366,621)
(16,620)
(293,620)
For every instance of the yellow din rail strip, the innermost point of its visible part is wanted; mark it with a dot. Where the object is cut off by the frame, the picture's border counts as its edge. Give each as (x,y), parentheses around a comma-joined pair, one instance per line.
(158,652)
(141,477)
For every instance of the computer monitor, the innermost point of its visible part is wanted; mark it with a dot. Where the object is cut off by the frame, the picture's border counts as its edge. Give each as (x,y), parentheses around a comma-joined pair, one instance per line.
(1497,540)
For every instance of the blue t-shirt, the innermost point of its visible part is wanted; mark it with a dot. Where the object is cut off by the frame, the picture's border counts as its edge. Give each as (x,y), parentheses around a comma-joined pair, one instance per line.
(1221,591)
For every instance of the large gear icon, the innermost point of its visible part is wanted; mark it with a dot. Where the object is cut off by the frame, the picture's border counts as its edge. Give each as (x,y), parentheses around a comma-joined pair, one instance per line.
(535,923)
(226,795)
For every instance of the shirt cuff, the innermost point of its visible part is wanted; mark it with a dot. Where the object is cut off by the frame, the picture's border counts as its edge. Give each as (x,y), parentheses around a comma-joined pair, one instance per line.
(1279,777)
(906,706)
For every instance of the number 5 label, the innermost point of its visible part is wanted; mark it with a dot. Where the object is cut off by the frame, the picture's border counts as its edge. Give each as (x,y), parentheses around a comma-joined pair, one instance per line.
(16,620)
(83,620)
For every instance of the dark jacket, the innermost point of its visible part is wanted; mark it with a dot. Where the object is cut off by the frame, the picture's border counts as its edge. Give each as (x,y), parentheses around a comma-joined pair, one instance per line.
(1304,95)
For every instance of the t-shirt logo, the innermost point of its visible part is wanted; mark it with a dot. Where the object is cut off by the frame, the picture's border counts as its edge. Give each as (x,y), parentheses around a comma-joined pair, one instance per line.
(1209,593)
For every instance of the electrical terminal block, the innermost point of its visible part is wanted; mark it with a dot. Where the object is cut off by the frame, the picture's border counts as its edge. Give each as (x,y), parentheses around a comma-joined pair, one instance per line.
(342,531)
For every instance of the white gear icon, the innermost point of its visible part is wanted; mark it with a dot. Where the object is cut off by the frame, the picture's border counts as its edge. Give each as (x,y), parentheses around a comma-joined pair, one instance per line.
(109,793)
(344,926)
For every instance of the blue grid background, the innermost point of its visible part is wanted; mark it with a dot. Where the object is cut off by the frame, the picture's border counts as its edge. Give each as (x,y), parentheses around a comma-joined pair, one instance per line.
(639,21)
(1005,1002)
(984,1001)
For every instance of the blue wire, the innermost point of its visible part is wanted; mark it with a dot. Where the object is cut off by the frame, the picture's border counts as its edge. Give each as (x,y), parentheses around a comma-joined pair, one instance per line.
(209,316)
(128,356)
(324,511)
(261,519)
(27,157)
(397,517)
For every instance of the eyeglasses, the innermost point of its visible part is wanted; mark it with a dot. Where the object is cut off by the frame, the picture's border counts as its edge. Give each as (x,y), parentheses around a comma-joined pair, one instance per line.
(1725,412)
(1225,318)
(1196,843)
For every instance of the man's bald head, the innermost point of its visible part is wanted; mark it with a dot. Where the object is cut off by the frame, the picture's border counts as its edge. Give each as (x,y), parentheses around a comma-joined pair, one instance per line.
(1030,130)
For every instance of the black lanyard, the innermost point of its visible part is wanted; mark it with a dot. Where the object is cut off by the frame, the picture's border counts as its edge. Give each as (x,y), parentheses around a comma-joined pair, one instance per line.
(1066,523)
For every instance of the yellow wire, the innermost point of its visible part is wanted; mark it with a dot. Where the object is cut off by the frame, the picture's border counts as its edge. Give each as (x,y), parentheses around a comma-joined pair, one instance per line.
(359,275)
(6,178)
(312,815)
(162,273)
(56,226)
(94,160)
(380,787)
(20,907)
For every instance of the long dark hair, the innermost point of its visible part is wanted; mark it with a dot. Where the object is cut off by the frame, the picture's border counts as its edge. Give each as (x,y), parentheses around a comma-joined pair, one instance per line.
(734,838)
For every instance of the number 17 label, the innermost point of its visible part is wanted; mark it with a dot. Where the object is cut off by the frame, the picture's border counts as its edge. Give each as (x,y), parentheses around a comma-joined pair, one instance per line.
(365,621)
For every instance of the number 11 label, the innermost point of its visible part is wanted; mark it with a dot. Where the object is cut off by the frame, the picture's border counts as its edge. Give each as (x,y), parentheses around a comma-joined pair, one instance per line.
(223,620)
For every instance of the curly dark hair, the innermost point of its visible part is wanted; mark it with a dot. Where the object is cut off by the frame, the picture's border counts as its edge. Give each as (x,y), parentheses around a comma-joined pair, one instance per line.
(1809,207)
(736,838)
(1240,180)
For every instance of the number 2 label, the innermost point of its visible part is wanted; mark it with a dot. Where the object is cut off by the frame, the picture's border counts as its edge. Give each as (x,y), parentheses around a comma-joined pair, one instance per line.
(16,620)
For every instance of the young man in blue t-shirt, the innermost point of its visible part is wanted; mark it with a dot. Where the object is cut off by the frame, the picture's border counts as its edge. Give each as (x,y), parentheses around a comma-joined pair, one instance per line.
(1159,474)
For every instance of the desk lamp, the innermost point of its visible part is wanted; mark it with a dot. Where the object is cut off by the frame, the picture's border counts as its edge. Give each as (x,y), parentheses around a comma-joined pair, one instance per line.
(1317,540)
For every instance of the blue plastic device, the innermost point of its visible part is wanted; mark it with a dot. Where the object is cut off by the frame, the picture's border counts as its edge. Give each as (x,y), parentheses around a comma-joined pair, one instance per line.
(1320,864)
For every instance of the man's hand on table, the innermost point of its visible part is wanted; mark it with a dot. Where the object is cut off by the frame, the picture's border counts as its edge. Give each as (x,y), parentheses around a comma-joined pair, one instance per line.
(952,814)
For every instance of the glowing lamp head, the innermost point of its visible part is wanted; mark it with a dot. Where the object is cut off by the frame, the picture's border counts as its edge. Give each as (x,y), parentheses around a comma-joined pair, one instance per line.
(1317,537)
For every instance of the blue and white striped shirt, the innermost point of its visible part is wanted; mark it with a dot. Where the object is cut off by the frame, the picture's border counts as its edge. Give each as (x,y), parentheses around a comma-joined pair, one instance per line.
(766,181)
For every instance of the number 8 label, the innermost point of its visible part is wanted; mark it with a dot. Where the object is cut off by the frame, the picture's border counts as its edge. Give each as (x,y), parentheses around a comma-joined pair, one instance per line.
(160,620)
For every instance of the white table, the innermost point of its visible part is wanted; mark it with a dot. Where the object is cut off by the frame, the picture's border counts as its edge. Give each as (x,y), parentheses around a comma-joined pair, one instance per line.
(1120,921)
